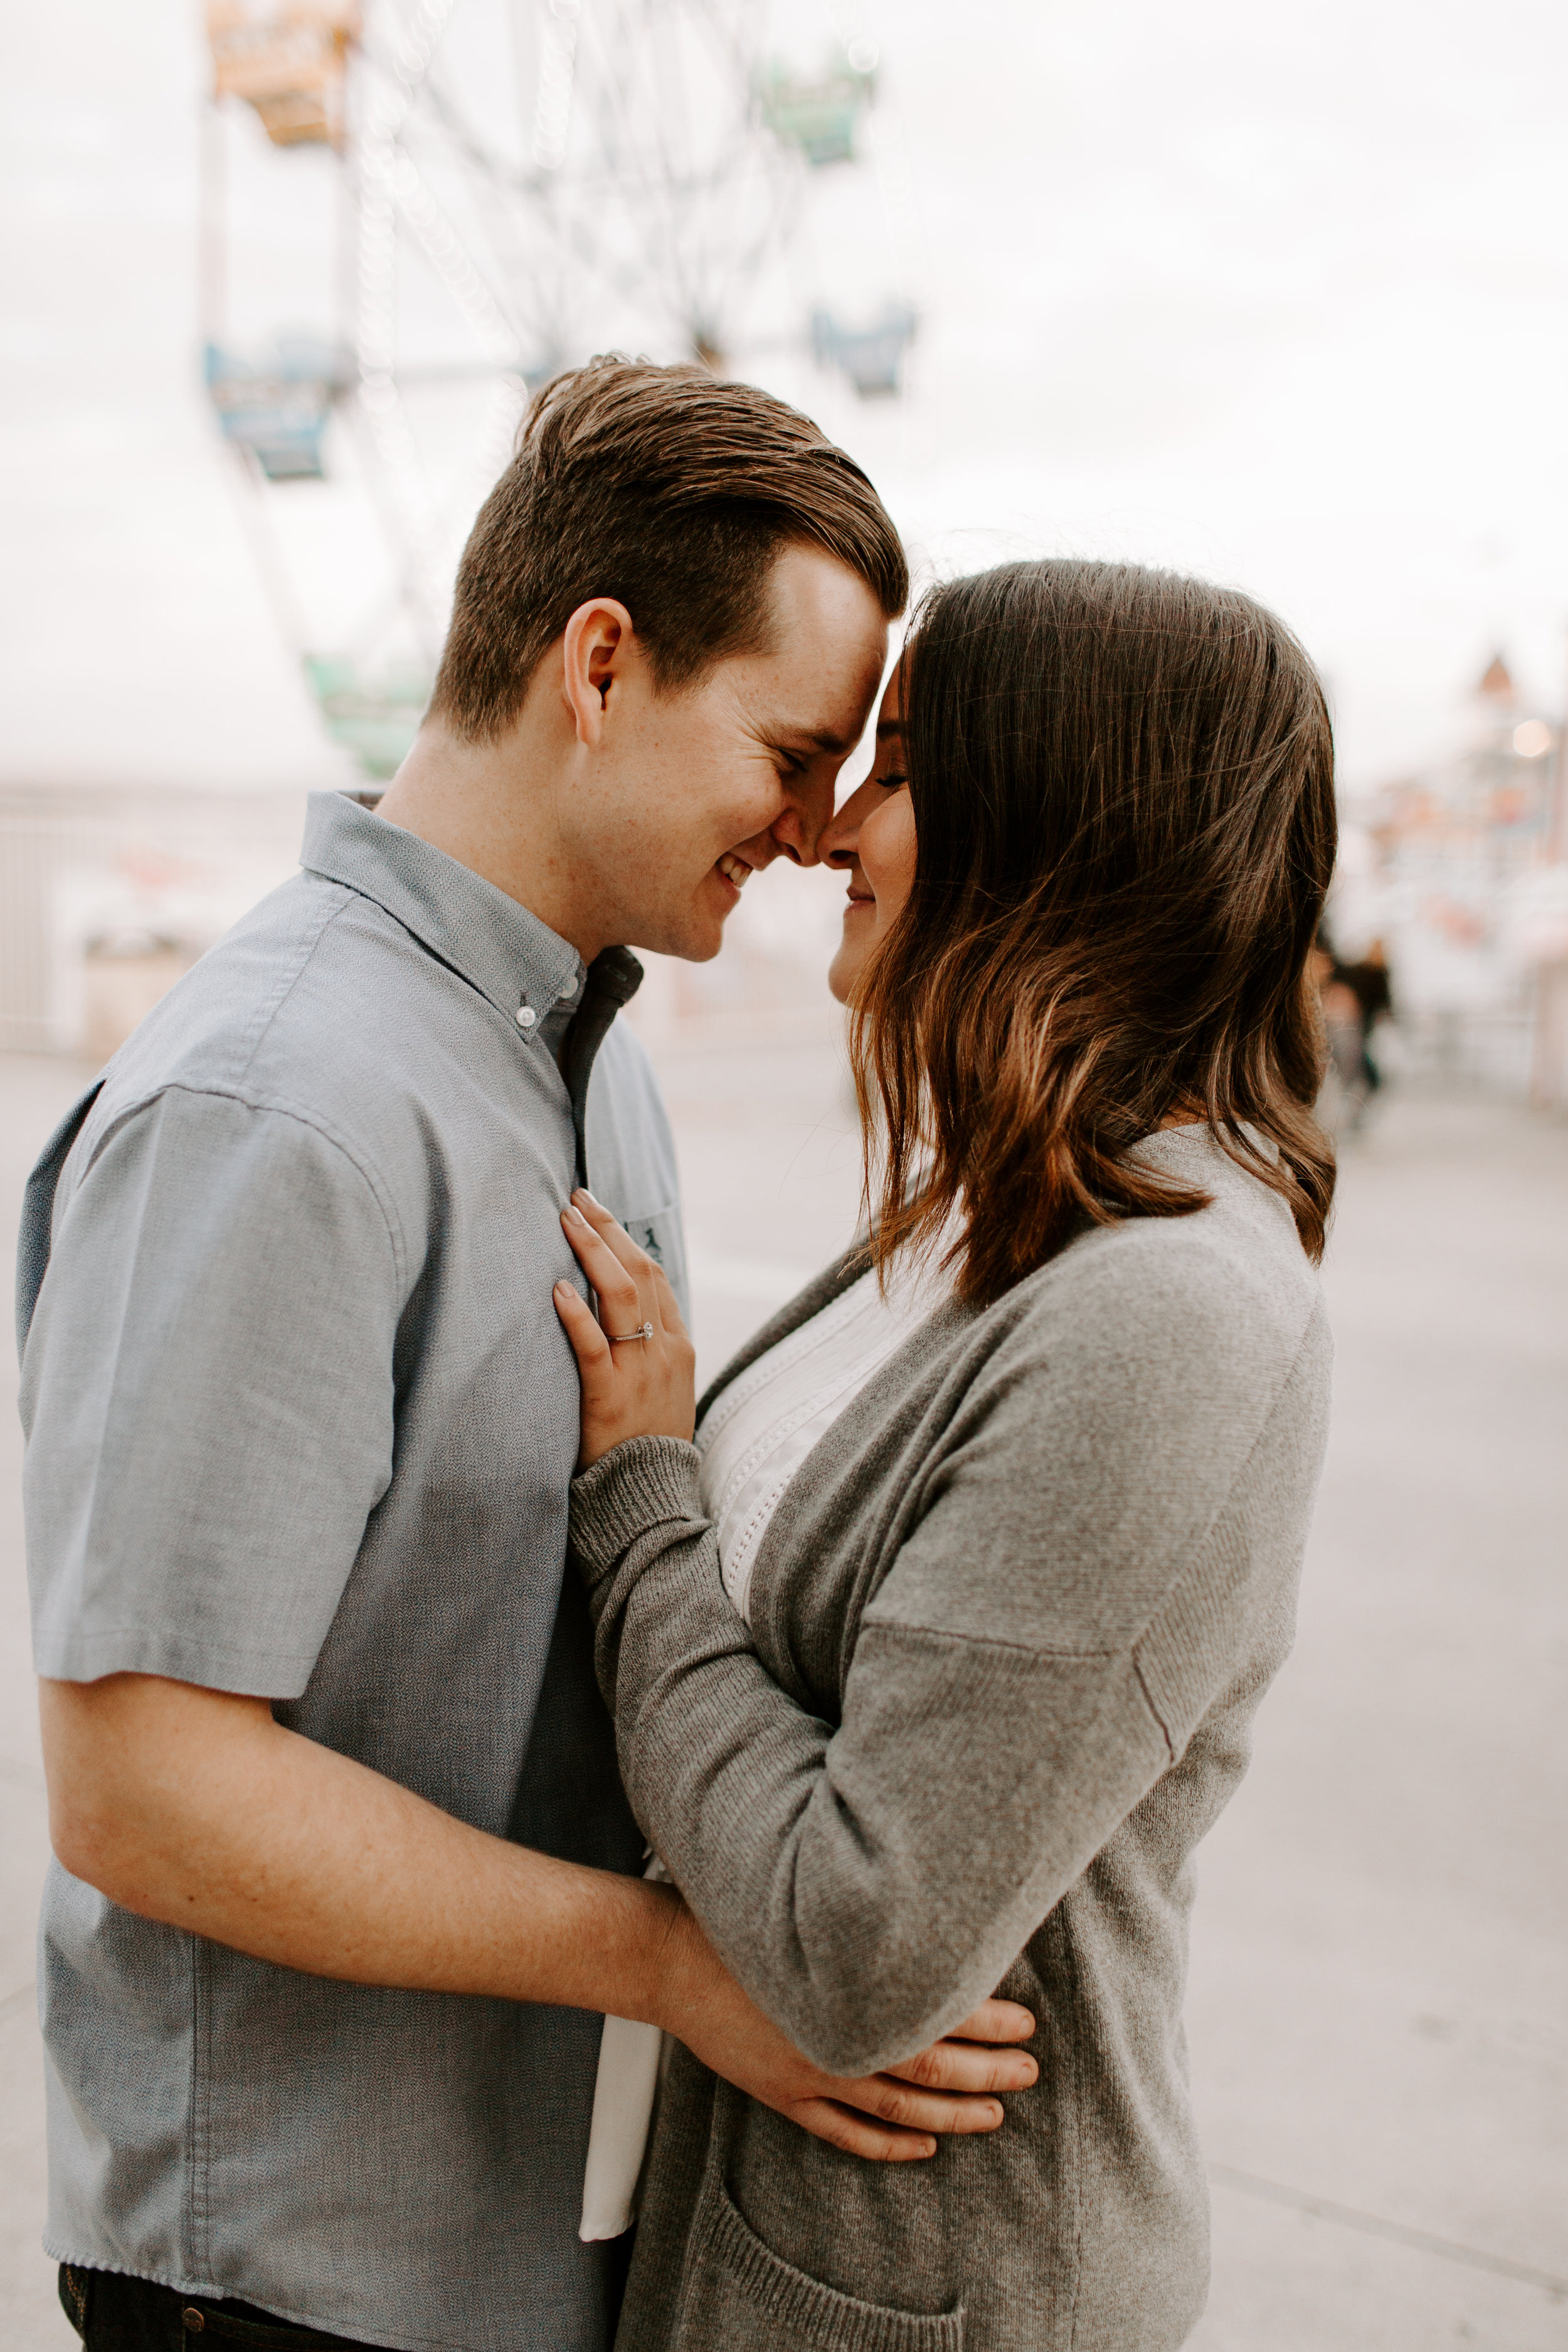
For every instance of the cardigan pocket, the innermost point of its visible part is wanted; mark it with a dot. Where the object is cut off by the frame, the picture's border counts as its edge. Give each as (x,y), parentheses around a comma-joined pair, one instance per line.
(737,2291)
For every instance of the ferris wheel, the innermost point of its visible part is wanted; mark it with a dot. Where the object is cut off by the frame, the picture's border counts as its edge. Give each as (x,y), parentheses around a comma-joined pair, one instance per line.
(416,210)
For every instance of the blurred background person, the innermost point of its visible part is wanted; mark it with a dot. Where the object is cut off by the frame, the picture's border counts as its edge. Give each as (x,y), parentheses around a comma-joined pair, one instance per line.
(1354,997)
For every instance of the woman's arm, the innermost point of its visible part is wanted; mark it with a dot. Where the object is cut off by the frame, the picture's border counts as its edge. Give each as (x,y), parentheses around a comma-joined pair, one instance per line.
(1066,1608)
(868,1885)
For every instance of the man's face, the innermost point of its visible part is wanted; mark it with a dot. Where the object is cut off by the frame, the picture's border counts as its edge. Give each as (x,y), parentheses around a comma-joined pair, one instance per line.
(691,792)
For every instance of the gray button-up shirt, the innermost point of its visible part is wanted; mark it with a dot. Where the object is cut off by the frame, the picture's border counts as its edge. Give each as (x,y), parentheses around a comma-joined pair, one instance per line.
(302,1421)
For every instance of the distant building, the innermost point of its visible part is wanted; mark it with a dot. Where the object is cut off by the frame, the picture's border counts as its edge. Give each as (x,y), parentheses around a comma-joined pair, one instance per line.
(1451,872)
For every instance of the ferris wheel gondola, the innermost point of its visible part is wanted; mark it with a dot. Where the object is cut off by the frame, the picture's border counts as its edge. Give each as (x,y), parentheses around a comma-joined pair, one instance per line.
(499,188)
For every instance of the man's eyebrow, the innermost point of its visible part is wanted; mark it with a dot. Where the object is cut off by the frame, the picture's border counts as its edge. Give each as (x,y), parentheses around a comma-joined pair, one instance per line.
(820,739)
(888,727)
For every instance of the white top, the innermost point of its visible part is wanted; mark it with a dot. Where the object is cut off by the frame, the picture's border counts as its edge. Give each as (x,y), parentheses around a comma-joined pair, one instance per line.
(759,1433)
(763,1425)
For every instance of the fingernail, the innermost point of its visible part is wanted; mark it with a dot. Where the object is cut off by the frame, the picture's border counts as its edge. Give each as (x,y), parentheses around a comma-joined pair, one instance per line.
(585,1194)
(575,1213)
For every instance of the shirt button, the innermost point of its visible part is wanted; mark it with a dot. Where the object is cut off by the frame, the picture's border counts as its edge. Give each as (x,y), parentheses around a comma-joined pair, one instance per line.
(192,2320)
(526,1016)
(569,987)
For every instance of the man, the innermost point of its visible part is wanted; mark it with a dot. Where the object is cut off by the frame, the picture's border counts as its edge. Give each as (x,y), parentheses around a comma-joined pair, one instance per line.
(345,1872)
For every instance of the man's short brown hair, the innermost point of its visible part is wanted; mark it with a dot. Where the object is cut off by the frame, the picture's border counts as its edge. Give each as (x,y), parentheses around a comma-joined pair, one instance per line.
(667,490)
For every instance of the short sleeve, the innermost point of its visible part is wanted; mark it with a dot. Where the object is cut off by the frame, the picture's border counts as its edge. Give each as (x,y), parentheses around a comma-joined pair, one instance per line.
(207,1395)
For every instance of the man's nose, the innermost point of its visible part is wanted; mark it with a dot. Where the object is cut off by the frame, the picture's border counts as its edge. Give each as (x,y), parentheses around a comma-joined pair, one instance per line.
(798,831)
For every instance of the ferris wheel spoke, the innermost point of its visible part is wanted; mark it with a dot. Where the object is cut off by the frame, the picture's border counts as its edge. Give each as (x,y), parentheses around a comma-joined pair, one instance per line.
(504,208)
(741,39)
(453,263)
(659,238)
(404,494)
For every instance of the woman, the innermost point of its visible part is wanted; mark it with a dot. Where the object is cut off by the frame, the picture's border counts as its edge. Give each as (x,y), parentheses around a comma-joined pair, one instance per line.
(936,1656)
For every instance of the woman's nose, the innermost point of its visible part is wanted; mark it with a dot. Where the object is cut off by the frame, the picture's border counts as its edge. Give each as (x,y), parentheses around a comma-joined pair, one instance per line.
(838,841)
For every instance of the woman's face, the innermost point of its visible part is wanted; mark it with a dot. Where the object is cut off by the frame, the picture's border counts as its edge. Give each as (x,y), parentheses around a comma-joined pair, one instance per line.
(873,835)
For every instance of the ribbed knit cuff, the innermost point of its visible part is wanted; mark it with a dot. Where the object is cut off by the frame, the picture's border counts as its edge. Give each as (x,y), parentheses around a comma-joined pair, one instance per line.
(645,1483)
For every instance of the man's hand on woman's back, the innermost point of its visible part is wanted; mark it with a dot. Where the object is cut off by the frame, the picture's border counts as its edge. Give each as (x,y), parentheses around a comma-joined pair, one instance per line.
(890,2117)
(196,1807)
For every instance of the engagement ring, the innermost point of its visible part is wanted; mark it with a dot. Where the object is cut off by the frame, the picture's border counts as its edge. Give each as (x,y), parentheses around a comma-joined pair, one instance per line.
(619,1338)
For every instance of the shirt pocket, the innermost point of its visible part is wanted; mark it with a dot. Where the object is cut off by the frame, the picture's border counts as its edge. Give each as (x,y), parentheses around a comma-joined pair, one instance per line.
(658,1231)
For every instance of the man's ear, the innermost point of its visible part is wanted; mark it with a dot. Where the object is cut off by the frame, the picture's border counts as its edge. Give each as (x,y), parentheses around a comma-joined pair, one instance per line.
(596,651)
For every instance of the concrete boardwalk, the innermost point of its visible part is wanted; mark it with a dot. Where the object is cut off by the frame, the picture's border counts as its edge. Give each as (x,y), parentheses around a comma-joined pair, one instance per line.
(1379,2008)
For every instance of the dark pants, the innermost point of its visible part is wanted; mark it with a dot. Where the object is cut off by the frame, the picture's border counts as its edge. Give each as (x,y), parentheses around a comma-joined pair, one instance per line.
(112,2313)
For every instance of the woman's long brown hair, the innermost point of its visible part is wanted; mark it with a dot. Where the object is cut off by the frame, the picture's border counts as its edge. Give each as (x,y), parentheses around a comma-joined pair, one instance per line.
(1123,797)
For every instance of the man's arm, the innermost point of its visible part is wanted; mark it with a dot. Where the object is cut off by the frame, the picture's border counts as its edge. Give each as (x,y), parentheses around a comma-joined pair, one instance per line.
(195,1807)
(209,1393)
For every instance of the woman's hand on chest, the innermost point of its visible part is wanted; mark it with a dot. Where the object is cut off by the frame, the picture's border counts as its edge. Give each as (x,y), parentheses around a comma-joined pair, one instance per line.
(634,1359)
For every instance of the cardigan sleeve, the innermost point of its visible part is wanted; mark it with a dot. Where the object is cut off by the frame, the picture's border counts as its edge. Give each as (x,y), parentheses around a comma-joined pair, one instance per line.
(1063,1611)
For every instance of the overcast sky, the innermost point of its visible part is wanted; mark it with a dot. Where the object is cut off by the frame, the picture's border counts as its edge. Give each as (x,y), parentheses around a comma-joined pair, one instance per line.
(1276,294)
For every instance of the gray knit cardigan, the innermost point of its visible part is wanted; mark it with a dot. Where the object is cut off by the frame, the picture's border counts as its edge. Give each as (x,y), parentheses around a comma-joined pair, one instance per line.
(1011,1623)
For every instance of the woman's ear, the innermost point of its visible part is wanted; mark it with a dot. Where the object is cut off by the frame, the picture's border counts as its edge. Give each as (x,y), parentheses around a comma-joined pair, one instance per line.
(597,650)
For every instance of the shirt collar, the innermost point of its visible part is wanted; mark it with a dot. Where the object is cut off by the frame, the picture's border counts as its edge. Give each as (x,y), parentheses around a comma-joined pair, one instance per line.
(514,960)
